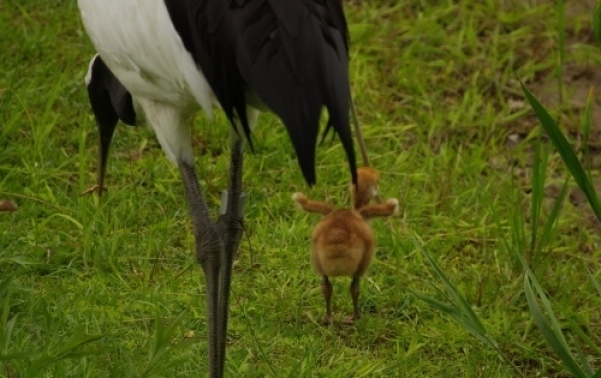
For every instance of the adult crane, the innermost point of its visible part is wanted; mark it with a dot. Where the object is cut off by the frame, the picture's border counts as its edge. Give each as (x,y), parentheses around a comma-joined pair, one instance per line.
(173,57)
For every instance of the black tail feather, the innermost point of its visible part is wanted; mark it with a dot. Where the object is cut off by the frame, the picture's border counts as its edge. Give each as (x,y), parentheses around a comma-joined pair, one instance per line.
(291,53)
(110,103)
(301,66)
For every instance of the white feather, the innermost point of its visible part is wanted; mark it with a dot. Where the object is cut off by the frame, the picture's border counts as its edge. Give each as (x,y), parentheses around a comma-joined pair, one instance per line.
(171,129)
(138,42)
(89,73)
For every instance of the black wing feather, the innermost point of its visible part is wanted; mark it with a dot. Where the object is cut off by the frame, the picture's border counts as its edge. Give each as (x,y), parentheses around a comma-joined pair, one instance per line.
(291,53)
(202,26)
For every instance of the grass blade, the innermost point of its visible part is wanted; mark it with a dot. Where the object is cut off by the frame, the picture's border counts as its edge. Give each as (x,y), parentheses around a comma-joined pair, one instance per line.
(565,150)
(586,130)
(67,350)
(458,300)
(77,340)
(576,328)
(5,331)
(17,356)
(450,310)
(555,341)
(161,346)
(459,309)
(561,34)
(551,225)
(595,281)
(583,360)
(597,21)
(4,285)
(535,197)
(539,171)
(459,317)
(6,335)
(541,294)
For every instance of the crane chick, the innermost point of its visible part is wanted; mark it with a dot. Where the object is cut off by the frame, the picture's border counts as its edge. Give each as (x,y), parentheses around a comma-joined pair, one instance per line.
(343,242)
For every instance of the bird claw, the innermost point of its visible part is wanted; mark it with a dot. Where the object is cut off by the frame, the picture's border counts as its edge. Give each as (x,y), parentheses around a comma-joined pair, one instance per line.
(327,320)
(92,189)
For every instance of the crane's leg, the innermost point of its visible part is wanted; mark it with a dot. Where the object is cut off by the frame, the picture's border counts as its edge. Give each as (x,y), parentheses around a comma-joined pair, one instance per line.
(230,224)
(326,289)
(173,133)
(355,297)
(209,248)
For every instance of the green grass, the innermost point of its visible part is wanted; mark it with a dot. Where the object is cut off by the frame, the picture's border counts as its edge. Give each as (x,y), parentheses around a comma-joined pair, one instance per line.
(436,84)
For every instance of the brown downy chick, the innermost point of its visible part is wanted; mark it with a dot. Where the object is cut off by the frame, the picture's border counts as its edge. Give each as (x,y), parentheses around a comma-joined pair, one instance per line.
(343,243)
(368,181)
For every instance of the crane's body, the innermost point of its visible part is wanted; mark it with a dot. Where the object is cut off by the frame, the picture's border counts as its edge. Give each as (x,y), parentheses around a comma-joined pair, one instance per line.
(171,58)
(148,57)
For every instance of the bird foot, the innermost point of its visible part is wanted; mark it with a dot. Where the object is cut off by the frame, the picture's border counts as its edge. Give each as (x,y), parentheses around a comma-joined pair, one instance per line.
(92,189)
(351,319)
(327,320)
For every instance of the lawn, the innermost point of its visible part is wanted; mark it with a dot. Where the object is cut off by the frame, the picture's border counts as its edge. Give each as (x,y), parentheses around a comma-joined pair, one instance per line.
(447,125)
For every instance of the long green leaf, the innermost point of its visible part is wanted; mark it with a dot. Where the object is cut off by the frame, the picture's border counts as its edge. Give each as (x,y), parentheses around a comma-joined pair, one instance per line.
(536,194)
(595,282)
(23,261)
(435,303)
(459,317)
(4,285)
(17,356)
(583,360)
(561,34)
(66,350)
(549,334)
(77,340)
(7,334)
(574,327)
(546,304)
(597,21)
(161,346)
(586,130)
(459,300)
(551,224)
(459,309)
(517,227)
(565,150)
(5,297)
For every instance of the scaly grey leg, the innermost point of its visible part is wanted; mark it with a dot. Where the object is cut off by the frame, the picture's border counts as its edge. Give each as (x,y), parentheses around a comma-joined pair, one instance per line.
(209,249)
(230,224)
